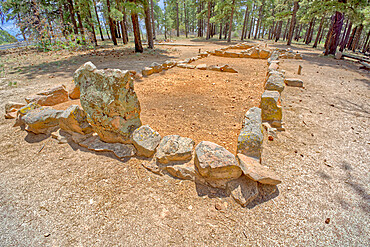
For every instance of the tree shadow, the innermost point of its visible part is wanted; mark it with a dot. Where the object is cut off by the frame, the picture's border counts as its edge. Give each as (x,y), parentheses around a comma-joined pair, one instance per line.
(352,108)
(119,58)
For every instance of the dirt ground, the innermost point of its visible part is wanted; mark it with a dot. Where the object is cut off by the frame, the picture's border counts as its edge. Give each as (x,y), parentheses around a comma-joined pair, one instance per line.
(65,195)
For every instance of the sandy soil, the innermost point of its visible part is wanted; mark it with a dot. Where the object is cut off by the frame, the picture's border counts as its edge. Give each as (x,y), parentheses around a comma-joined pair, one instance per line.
(64,195)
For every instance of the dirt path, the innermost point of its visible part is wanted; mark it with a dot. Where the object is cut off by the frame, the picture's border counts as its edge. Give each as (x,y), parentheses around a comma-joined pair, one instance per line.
(64,195)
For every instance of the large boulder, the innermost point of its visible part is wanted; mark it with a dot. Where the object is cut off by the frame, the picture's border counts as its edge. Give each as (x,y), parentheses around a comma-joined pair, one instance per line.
(275,82)
(255,171)
(251,137)
(174,148)
(271,110)
(42,120)
(215,162)
(243,190)
(49,97)
(109,99)
(146,140)
(74,119)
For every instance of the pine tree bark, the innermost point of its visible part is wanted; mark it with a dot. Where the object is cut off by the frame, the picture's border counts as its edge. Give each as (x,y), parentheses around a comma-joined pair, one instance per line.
(220,36)
(177,20)
(111,25)
(357,37)
(152,15)
(286,30)
(258,21)
(349,44)
(244,23)
(319,31)
(97,18)
(366,44)
(231,21)
(136,28)
(278,31)
(335,34)
(80,26)
(148,25)
(91,25)
(346,37)
(186,21)
(208,20)
(72,15)
(293,22)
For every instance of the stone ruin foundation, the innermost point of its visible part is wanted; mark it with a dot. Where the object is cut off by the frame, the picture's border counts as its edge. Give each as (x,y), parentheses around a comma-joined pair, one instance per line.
(110,121)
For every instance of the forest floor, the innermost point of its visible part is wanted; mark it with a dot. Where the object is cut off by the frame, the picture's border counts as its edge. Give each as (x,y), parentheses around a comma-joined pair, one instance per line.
(65,195)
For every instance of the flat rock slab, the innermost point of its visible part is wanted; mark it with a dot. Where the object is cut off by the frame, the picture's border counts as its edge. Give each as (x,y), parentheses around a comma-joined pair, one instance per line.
(215,162)
(271,111)
(184,171)
(251,137)
(146,140)
(275,82)
(120,150)
(74,119)
(174,148)
(293,82)
(50,97)
(110,102)
(243,190)
(42,120)
(255,171)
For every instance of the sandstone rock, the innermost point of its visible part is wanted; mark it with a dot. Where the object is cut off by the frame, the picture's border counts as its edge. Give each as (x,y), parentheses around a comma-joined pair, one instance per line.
(243,190)
(42,121)
(251,137)
(27,108)
(264,54)
(227,68)
(146,140)
(215,162)
(231,54)
(254,53)
(13,106)
(275,82)
(120,150)
(269,105)
(174,148)
(147,71)
(186,66)
(214,68)
(74,119)
(202,66)
(74,93)
(60,137)
(49,97)
(203,54)
(184,171)
(274,56)
(152,166)
(218,52)
(255,171)
(293,82)
(110,102)
(10,115)
(273,66)
(298,56)
(156,67)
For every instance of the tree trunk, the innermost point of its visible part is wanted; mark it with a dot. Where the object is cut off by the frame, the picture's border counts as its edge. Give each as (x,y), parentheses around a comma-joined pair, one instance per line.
(72,15)
(111,25)
(244,24)
(177,20)
(310,31)
(186,21)
(345,37)
(335,34)
(208,20)
(91,25)
(231,21)
(220,37)
(152,15)
(278,31)
(136,28)
(80,26)
(226,30)
(286,30)
(356,39)
(148,25)
(292,23)
(364,49)
(258,21)
(97,18)
(349,44)
(319,31)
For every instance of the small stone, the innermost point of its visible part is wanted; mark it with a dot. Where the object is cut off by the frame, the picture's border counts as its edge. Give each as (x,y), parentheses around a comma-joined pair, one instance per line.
(13,106)
(255,171)
(62,139)
(293,82)
(221,206)
(74,119)
(202,66)
(214,68)
(120,150)
(174,148)
(184,171)
(269,104)
(227,68)
(243,190)
(146,140)
(327,221)
(270,138)
(74,93)
(156,67)
(215,162)
(50,97)
(42,121)
(147,71)
(275,82)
